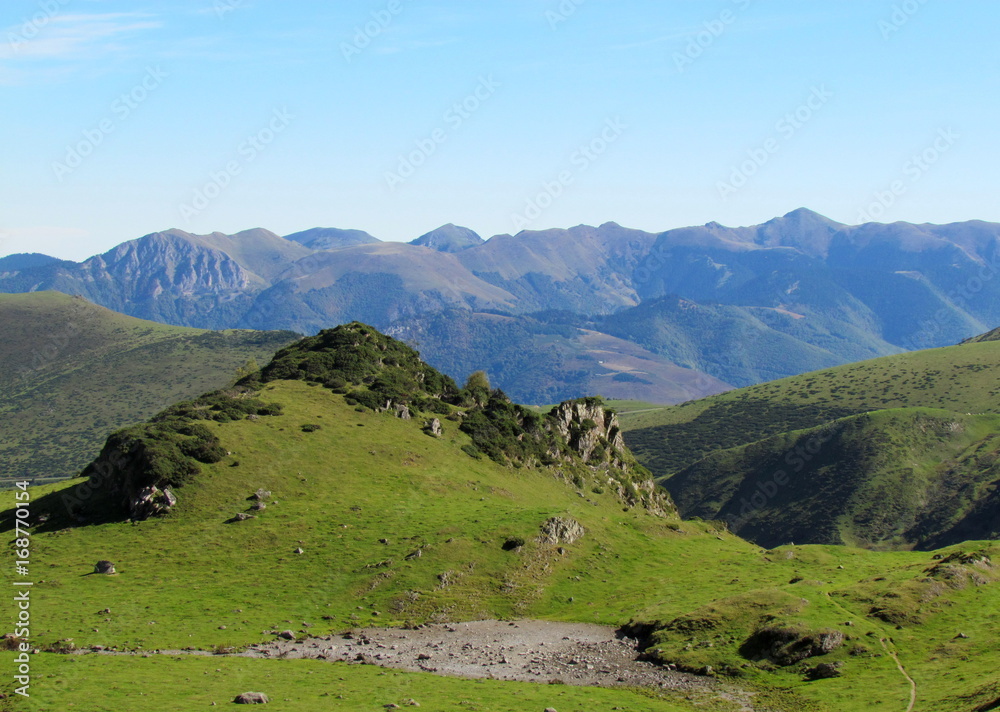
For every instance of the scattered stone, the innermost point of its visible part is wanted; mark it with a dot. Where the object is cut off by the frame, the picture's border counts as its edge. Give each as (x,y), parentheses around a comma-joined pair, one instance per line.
(287,635)
(258,507)
(402,412)
(260,495)
(104,567)
(962,636)
(433,427)
(414,555)
(240,517)
(252,698)
(299,550)
(411,703)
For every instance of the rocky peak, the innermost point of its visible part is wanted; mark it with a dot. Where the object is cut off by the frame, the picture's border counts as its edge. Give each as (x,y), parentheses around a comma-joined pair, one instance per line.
(591,430)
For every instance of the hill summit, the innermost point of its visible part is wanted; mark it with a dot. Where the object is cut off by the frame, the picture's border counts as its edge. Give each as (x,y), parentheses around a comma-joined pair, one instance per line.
(579,441)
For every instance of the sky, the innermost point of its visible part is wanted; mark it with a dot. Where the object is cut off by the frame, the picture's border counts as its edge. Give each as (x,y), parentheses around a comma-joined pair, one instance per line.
(398,116)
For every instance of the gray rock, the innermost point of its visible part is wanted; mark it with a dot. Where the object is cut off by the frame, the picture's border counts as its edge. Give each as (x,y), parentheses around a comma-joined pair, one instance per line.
(260,495)
(824,671)
(104,567)
(287,635)
(402,412)
(433,427)
(240,517)
(252,698)
(561,530)
(258,506)
(299,550)
(152,502)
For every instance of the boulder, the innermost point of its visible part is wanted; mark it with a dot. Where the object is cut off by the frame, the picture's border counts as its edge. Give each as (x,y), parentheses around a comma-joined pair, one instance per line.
(104,567)
(561,530)
(402,412)
(824,671)
(433,427)
(252,698)
(287,635)
(260,495)
(240,517)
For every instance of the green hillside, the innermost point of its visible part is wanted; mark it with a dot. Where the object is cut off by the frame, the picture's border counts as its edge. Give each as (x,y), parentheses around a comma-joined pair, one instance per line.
(371,519)
(962,379)
(74,372)
(893,478)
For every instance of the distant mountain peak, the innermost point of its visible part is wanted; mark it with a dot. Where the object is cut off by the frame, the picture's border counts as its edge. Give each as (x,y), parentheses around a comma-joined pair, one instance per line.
(807,215)
(331,238)
(449,238)
(26,260)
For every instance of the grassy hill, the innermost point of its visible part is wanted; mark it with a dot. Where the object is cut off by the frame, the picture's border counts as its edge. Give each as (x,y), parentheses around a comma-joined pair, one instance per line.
(398,526)
(962,379)
(847,455)
(893,478)
(74,372)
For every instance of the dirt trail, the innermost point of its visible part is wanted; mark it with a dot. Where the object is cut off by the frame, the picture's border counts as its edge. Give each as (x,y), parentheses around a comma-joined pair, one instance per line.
(902,670)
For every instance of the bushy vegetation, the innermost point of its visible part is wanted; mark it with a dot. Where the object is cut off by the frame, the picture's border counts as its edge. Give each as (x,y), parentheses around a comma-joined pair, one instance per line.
(371,368)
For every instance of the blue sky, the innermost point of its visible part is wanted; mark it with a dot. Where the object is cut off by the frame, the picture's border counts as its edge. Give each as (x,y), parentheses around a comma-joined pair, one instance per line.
(397,116)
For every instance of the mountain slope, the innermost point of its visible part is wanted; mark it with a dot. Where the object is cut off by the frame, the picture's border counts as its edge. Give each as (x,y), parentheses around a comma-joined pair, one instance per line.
(846,455)
(368,518)
(75,372)
(909,477)
(546,361)
(961,379)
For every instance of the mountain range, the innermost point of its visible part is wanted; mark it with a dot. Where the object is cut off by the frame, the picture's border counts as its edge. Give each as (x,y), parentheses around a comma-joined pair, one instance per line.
(705,308)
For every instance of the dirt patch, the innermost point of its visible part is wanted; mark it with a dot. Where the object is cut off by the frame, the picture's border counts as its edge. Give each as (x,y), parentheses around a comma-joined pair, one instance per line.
(532,651)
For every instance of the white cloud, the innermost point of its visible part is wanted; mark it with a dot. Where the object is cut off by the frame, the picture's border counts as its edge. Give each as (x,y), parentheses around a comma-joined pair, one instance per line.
(72,37)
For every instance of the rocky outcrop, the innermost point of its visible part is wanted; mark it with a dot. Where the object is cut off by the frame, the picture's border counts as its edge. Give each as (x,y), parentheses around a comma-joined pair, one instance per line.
(433,428)
(591,431)
(152,502)
(594,434)
(559,530)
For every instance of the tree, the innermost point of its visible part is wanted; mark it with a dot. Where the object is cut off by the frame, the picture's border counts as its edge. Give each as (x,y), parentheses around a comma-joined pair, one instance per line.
(478,387)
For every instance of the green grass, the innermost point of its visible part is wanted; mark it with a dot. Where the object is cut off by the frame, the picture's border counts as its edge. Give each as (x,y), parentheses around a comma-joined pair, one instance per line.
(75,372)
(364,476)
(888,479)
(106,684)
(962,379)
